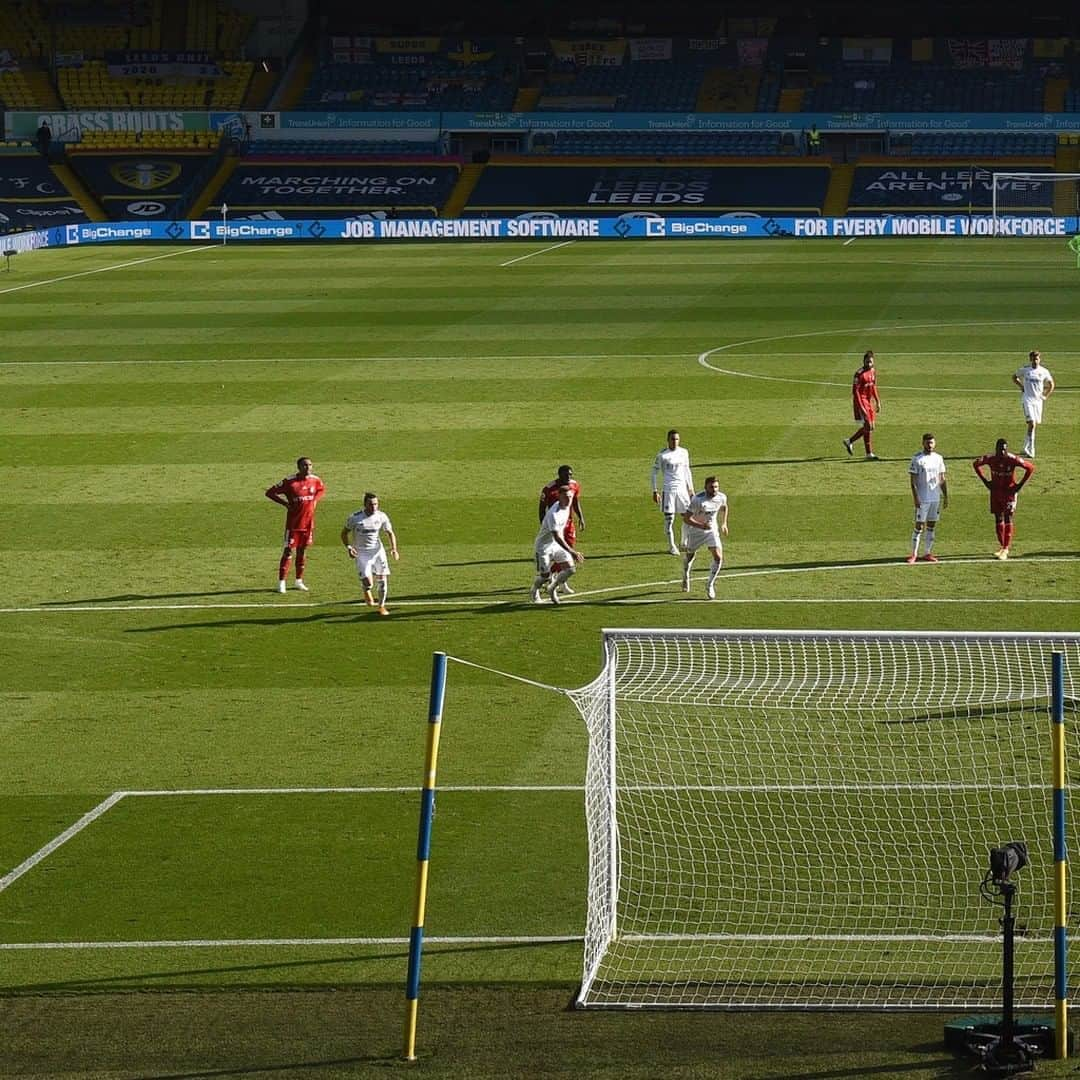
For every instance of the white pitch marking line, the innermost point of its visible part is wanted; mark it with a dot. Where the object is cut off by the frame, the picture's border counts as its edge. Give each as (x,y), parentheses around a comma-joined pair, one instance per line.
(516,601)
(688,355)
(240,943)
(101,270)
(846,242)
(703,358)
(522,258)
(87,819)
(407,789)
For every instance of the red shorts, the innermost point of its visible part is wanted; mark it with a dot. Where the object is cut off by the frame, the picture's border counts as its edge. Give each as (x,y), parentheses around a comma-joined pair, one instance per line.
(570,533)
(1002,502)
(864,413)
(299,538)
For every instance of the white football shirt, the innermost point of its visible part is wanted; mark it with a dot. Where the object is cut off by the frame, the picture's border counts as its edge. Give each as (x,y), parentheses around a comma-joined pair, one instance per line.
(1034,380)
(928,469)
(706,509)
(365,529)
(674,467)
(555,521)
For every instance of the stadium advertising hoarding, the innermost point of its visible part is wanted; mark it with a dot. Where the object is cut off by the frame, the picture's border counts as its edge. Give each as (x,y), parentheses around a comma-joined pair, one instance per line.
(882,187)
(330,184)
(544,226)
(68,126)
(776,188)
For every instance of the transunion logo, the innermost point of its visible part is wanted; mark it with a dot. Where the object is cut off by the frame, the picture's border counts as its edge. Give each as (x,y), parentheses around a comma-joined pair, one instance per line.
(707,228)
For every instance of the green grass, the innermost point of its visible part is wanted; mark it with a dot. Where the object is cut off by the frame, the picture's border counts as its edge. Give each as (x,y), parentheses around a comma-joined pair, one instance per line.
(146,408)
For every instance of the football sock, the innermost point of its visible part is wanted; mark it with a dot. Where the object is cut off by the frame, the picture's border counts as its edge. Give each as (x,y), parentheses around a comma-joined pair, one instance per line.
(1000,526)
(929,540)
(539,581)
(867,443)
(283,567)
(562,576)
(384,590)
(714,573)
(301,562)
(669,526)
(916,538)
(1007,541)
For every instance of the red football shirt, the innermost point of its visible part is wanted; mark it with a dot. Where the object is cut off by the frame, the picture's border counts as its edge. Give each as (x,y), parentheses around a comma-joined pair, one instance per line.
(864,390)
(302,492)
(549,495)
(1002,470)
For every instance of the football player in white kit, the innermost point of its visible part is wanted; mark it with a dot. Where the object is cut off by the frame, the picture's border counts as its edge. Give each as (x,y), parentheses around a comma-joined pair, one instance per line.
(930,493)
(1036,385)
(551,547)
(703,530)
(677,485)
(362,537)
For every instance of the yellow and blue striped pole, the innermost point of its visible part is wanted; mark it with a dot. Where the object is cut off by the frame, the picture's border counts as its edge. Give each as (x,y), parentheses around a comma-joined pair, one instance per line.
(423,851)
(1061,974)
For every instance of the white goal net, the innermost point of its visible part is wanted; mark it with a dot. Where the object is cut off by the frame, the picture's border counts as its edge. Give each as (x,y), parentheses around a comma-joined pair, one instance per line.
(803,819)
(1019,194)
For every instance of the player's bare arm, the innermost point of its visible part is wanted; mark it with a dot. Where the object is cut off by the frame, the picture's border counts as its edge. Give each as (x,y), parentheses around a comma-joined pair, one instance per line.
(914,492)
(393,544)
(723,521)
(347,540)
(944,493)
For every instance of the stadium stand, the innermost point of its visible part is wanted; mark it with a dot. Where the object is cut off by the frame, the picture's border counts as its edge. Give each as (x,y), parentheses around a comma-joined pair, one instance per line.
(923,188)
(161,184)
(31,195)
(632,86)
(661,143)
(616,189)
(336,189)
(920,87)
(972,147)
(367,148)
(451,74)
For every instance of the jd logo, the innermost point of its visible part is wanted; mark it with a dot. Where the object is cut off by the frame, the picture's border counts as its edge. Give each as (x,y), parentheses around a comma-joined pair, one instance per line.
(145,175)
(146,208)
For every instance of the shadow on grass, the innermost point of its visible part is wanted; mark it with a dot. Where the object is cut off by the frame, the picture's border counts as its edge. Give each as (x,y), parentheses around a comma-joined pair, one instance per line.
(108,983)
(129,597)
(529,562)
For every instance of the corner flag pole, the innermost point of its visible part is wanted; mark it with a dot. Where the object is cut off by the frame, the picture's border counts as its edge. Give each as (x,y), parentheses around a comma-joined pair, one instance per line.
(1061,973)
(423,851)
(224,224)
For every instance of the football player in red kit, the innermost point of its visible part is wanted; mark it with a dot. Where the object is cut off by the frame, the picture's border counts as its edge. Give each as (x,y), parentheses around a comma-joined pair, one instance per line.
(865,404)
(299,495)
(1004,487)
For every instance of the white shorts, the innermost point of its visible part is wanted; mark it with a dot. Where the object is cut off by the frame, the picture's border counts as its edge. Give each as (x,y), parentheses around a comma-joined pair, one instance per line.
(928,511)
(674,502)
(552,553)
(1032,409)
(696,539)
(372,564)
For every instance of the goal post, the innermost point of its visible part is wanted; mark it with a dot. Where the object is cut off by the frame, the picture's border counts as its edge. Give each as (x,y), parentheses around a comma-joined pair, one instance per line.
(1021,194)
(802,819)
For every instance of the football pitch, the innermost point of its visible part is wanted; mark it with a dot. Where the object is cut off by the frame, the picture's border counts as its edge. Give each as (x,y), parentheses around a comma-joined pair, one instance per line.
(208,786)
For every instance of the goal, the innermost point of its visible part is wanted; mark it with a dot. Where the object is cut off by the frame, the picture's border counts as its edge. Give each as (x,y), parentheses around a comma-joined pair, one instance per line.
(1021,194)
(803,819)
